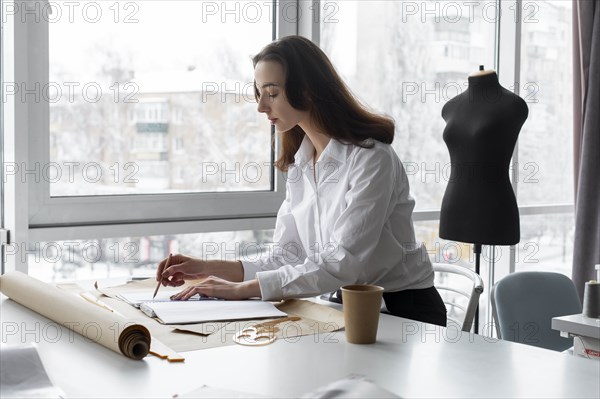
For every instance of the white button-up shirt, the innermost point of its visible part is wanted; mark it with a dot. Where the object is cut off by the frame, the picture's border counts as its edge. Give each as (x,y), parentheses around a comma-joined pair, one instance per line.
(345,220)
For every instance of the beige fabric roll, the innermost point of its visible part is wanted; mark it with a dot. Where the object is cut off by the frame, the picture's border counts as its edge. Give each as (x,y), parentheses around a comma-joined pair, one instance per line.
(93,322)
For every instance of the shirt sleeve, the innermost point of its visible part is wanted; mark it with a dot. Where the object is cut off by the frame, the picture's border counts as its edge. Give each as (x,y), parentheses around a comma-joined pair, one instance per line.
(286,248)
(356,232)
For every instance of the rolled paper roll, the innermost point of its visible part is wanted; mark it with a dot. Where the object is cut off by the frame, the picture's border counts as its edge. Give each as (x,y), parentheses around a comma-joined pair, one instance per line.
(93,322)
(591,299)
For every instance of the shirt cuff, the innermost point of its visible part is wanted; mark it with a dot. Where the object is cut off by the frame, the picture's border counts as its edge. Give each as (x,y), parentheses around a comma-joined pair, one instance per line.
(270,285)
(250,269)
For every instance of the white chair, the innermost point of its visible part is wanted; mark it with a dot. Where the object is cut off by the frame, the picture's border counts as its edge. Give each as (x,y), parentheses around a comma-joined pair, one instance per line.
(460,288)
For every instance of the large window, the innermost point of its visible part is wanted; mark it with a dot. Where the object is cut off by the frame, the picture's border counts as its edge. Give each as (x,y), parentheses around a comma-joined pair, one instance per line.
(129,79)
(545,159)
(148,128)
(141,112)
(407,59)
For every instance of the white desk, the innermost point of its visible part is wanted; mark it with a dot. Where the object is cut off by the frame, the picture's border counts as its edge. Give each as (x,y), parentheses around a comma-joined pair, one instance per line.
(410,359)
(577,325)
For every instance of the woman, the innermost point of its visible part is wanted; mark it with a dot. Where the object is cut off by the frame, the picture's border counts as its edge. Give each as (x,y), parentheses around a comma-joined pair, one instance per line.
(347,213)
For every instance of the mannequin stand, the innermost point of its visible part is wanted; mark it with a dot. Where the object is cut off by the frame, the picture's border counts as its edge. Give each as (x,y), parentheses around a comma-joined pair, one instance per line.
(477,252)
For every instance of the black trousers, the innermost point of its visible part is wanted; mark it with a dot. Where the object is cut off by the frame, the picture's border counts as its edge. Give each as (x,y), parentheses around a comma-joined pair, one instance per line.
(424,305)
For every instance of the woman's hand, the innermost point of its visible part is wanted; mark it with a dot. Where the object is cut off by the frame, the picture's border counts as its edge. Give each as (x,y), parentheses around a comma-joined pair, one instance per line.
(180,269)
(218,288)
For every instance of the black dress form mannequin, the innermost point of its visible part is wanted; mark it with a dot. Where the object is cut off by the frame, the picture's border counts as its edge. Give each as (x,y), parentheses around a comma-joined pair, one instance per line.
(482,125)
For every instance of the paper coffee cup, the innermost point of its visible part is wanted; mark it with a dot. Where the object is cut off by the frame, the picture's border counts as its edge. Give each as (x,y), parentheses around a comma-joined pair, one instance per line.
(362,304)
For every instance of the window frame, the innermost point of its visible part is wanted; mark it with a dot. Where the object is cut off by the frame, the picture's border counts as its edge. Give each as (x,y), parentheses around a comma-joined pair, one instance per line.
(46,218)
(62,218)
(48,211)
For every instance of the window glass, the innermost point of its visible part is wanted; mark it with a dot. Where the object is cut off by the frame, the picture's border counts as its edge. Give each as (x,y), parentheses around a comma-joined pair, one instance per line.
(136,256)
(546,140)
(546,243)
(155,97)
(407,59)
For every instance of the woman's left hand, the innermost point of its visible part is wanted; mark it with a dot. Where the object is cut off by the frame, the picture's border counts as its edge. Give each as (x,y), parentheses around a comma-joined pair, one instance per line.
(219,288)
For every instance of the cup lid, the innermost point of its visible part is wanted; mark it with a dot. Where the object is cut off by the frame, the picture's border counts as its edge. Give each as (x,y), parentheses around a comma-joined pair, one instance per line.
(360,288)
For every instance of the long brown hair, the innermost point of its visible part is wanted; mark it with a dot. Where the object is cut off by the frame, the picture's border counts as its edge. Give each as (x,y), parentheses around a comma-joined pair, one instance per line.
(312,84)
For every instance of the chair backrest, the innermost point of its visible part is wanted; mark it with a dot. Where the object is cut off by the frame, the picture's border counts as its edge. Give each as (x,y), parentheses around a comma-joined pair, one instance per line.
(460,288)
(524,303)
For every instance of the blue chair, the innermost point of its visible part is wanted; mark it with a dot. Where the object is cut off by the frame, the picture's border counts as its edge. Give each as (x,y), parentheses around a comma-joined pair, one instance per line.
(524,303)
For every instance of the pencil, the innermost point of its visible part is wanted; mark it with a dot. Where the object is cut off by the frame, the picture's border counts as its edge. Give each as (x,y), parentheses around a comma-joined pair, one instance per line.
(160,281)
(90,298)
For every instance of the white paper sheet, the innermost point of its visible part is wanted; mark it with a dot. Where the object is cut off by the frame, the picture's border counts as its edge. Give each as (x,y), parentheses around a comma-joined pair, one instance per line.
(22,374)
(137,298)
(184,312)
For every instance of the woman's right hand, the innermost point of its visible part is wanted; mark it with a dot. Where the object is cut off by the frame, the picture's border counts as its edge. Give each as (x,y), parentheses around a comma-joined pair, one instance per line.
(180,269)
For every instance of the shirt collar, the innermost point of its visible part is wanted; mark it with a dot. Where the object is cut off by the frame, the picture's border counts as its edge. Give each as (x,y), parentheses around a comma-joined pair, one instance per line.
(334,149)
